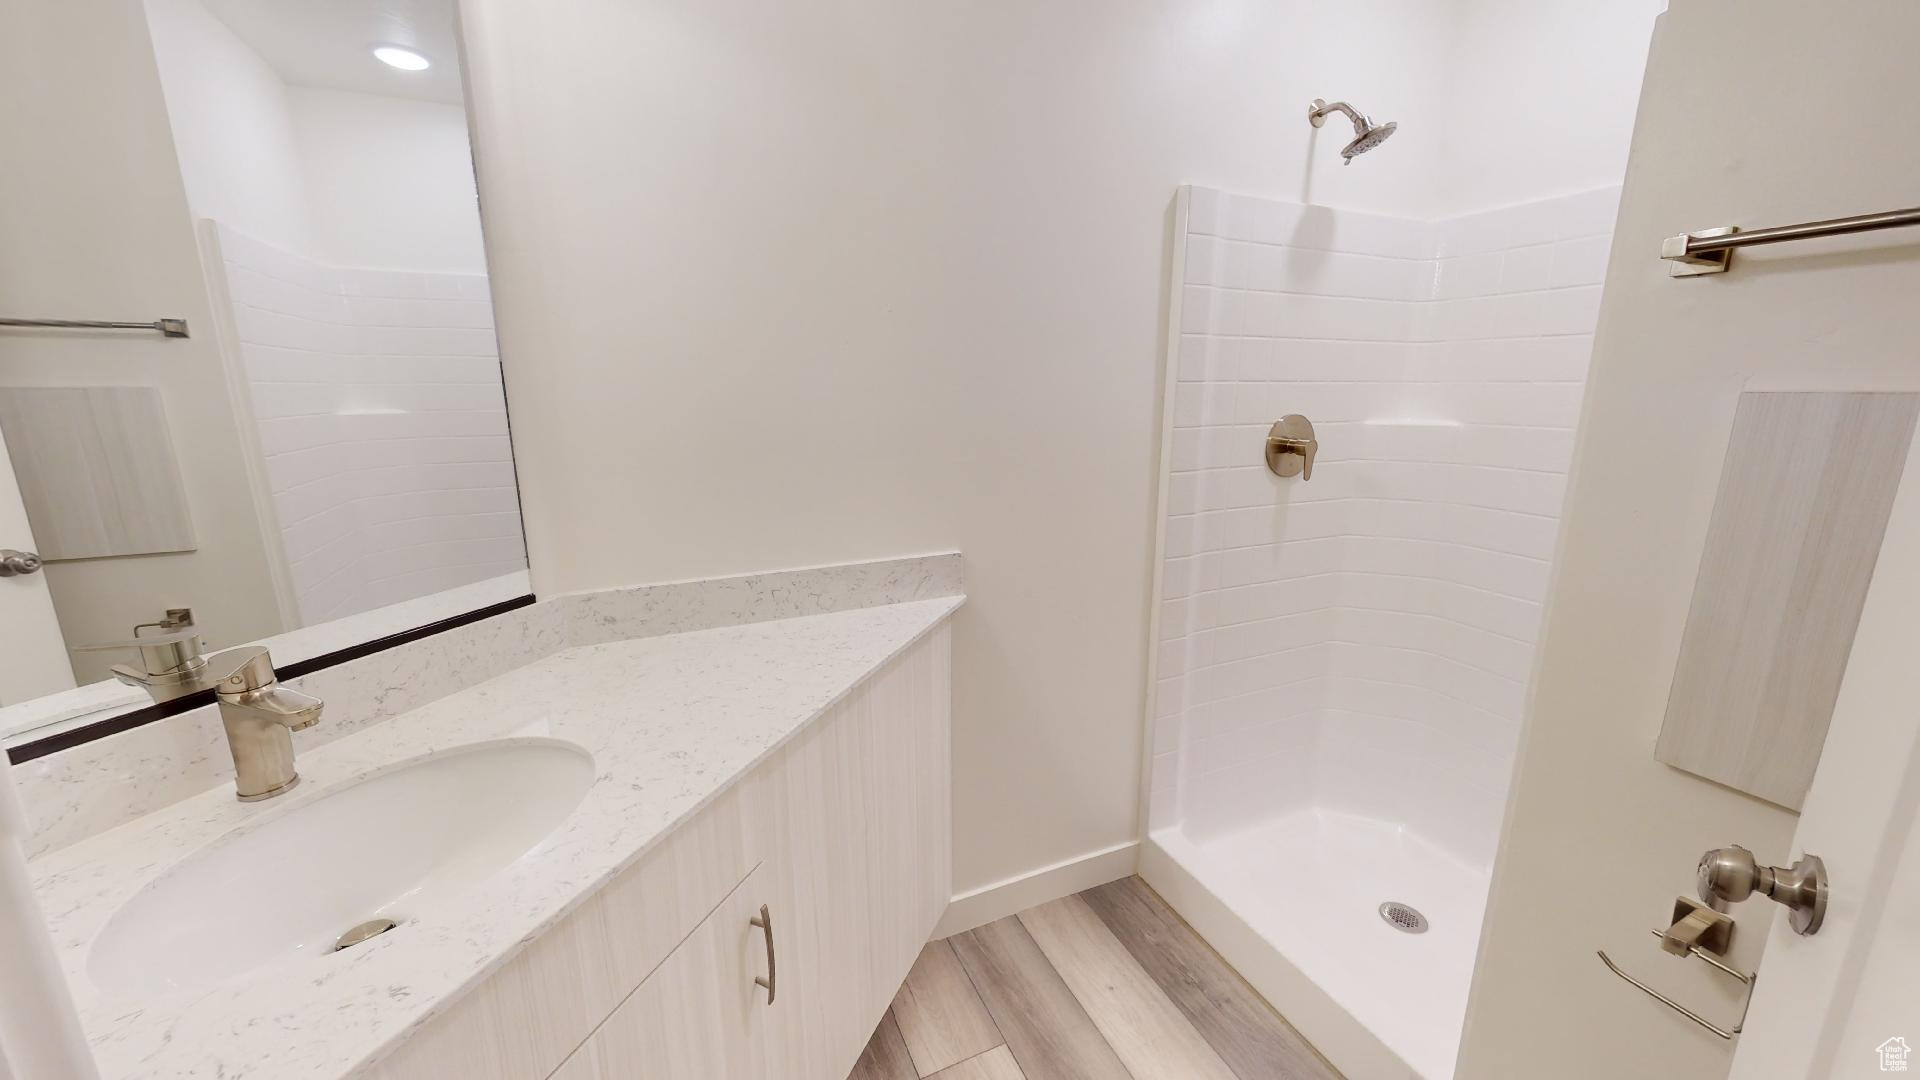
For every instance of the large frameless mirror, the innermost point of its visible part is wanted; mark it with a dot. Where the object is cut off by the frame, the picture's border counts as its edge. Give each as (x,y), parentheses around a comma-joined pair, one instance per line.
(300,437)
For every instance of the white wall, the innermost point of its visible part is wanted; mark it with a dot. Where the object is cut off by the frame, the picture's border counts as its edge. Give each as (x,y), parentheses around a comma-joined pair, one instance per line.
(1361,642)
(1539,98)
(389,182)
(784,285)
(352,179)
(232,120)
(1600,836)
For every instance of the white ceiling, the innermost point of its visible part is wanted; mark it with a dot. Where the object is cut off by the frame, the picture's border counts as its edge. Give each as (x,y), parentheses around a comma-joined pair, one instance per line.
(329,43)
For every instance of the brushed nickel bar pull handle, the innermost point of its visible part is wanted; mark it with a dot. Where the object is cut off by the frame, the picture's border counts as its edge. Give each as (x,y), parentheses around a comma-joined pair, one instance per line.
(169,327)
(1710,251)
(765,922)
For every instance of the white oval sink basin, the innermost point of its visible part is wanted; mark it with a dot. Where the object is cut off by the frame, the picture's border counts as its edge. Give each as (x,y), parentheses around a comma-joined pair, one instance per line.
(391,845)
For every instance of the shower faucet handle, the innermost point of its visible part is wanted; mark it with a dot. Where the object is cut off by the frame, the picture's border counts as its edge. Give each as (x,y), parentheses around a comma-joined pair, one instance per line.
(1291,447)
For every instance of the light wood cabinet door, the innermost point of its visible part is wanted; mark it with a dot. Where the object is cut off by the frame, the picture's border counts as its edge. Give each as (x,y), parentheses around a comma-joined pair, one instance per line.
(857,820)
(851,822)
(699,1014)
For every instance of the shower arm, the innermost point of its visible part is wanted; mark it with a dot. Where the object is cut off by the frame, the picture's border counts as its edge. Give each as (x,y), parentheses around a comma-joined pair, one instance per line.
(1317,114)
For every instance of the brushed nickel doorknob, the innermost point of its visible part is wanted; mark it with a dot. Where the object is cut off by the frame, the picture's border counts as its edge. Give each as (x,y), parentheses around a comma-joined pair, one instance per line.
(18,562)
(1729,875)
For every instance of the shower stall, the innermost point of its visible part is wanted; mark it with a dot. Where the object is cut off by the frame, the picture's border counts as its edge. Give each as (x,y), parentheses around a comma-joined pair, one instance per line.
(1343,660)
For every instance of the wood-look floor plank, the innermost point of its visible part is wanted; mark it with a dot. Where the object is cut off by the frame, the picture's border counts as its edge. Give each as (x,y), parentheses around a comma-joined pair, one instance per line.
(886,1056)
(1150,1034)
(1237,1022)
(1049,1034)
(941,1017)
(995,1064)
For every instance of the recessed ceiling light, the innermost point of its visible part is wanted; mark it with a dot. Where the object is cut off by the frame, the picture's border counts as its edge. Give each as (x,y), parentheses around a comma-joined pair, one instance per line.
(404,59)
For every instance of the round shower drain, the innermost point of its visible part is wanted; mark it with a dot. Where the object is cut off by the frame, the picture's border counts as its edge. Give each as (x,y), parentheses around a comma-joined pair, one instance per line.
(1403,917)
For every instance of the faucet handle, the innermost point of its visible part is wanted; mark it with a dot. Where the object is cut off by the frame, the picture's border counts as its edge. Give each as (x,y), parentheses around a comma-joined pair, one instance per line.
(236,671)
(170,663)
(260,716)
(160,651)
(145,641)
(1292,446)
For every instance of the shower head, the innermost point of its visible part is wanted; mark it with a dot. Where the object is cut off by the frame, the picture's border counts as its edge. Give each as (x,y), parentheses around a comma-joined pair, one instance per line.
(1366,133)
(1374,137)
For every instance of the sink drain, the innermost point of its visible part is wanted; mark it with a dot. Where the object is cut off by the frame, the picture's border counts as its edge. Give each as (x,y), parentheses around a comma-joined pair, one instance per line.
(1403,917)
(366,931)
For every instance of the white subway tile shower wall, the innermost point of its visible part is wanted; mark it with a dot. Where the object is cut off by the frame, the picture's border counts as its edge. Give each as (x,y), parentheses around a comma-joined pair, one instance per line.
(383,425)
(1361,643)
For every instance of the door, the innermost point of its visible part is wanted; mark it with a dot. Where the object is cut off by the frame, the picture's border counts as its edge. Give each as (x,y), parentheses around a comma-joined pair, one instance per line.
(857,833)
(1728,134)
(33,655)
(700,1014)
(1845,1001)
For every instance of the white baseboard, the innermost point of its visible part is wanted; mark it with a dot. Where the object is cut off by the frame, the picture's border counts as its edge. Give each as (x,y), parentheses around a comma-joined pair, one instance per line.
(978,907)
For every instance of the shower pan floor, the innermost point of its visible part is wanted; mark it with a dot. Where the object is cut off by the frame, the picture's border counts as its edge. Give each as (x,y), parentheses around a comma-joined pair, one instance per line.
(1311,884)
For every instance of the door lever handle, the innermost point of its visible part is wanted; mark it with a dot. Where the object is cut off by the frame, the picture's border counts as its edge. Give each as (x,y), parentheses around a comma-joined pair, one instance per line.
(1729,875)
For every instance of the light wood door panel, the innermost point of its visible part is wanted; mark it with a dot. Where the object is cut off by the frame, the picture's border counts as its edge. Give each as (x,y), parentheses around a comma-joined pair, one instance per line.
(578,1067)
(542,1004)
(1804,495)
(699,1014)
(96,469)
(856,813)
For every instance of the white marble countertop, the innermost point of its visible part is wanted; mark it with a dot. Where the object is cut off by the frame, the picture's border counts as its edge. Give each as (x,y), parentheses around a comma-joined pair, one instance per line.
(671,721)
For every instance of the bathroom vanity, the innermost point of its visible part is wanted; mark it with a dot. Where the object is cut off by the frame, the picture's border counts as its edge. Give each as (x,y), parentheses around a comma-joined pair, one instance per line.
(672,841)
(763,937)
(255,462)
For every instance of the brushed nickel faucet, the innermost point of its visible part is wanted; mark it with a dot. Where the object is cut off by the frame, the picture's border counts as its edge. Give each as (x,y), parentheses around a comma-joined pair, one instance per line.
(170,662)
(260,716)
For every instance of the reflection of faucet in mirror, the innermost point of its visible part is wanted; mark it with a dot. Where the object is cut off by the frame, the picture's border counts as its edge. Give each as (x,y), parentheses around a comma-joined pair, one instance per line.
(260,716)
(170,660)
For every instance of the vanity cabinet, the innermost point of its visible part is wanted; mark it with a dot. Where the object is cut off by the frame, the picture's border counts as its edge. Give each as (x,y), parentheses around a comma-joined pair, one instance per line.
(843,834)
(856,820)
(700,1014)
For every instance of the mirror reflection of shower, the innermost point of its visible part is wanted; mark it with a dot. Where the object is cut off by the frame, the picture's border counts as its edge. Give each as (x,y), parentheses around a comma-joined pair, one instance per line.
(1366,133)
